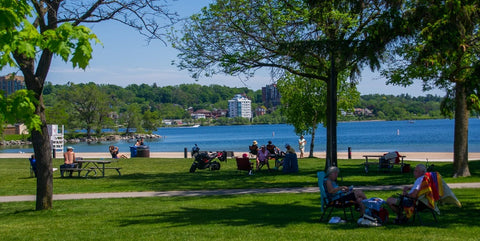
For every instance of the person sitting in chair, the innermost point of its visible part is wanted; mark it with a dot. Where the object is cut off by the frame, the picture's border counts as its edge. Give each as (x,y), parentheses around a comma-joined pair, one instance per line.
(342,193)
(114,152)
(271,148)
(253,148)
(262,158)
(274,151)
(409,193)
(33,164)
(288,150)
(245,164)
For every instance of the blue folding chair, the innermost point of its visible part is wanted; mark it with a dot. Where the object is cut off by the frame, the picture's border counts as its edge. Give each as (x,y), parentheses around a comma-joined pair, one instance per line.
(328,204)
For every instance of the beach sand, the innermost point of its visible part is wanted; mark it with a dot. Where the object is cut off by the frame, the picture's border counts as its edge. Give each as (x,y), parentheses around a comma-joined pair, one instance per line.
(410,156)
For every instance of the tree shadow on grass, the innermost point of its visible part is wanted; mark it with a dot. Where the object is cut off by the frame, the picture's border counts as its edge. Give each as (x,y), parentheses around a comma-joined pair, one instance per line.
(260,213)
(208,180)
(255,213)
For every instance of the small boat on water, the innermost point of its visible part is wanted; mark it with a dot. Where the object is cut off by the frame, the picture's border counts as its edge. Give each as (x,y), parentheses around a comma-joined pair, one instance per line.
(194,126)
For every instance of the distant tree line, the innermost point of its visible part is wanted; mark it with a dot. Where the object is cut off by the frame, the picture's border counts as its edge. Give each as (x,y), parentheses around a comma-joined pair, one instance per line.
(401,107)
(142,108)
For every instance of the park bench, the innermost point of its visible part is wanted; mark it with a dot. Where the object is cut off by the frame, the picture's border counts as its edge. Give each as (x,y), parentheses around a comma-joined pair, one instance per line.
(76,169)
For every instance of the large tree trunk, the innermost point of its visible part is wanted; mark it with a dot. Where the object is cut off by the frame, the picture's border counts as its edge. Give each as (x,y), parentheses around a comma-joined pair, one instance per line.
(42,148)
(460,143)
(312,142)
(331,157)
(40,139)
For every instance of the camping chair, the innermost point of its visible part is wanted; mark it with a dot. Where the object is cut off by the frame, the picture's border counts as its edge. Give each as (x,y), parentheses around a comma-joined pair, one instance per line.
(262,163)
(387,160)
(433,191)
(244,164)
(326,203)
(290,163)
(33,166)
(421,207)
(253,150)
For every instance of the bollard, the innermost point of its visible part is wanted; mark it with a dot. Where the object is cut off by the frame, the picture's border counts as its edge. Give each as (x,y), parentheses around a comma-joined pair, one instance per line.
(185,152)
(349,153)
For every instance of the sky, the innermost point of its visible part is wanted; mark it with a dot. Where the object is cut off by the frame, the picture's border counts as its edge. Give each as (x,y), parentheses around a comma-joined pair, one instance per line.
(125,57)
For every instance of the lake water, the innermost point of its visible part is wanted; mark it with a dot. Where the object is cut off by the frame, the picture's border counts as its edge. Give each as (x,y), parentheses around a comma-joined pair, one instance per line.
(375,136)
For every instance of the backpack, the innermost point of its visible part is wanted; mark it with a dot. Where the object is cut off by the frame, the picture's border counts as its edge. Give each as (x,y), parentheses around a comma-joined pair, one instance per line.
(382,214)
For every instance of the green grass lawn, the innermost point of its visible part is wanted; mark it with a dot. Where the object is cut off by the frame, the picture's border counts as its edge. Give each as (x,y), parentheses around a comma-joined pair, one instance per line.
(235,217)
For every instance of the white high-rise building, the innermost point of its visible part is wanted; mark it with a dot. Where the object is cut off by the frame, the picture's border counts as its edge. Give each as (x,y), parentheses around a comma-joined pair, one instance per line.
(240,106)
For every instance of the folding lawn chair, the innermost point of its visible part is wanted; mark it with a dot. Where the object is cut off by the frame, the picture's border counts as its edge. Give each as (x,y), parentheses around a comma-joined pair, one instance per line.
(327,204)
(433,191)
(244,164)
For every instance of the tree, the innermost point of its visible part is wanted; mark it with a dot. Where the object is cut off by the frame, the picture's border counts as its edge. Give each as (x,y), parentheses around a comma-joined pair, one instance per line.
(151,120)
(90,106)
(132,118)
(57,114)
(19,106)
(441,47)
(304,102)
(313,39)
(36,30)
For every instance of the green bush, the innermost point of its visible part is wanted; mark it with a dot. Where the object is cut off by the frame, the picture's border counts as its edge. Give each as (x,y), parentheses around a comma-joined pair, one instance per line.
(16,137)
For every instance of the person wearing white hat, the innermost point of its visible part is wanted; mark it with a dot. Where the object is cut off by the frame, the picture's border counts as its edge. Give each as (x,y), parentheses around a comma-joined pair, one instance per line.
(253,148)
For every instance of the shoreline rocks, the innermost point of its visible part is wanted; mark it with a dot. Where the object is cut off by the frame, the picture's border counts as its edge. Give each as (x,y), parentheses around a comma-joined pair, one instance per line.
(15,143)
(113,138)
(88,140)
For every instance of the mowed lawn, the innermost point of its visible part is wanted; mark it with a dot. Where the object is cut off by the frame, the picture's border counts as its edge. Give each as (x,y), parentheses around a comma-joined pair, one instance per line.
(235,217)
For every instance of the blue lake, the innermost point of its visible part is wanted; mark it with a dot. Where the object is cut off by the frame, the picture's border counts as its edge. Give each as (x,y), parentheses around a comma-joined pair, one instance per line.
(381,136)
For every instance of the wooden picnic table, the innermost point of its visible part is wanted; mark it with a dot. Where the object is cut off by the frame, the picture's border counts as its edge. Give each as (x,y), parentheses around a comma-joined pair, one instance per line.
(94,165)
(377,162)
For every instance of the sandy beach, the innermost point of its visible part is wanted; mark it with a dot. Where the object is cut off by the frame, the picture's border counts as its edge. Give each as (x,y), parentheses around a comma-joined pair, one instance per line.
(411,156)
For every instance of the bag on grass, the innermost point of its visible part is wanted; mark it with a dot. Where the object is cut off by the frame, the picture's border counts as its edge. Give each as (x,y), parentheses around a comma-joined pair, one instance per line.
(368,221)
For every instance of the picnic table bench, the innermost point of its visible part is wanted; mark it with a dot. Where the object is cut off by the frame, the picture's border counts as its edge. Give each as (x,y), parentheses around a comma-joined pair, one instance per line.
(76,169)
(89,166)
(387,166)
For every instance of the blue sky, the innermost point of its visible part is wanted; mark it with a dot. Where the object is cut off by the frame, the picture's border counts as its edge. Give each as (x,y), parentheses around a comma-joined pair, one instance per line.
(126,58)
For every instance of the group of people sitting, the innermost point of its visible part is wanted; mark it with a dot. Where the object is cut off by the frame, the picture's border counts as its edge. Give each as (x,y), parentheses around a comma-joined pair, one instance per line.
(272,152)
(345,194)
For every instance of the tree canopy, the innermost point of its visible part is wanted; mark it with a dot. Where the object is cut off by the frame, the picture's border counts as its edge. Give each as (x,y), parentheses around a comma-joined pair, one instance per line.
(440,46)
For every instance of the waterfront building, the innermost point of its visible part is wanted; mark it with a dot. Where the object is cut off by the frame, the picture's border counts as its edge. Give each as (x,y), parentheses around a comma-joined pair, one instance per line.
(11,83)
(271,96)
(240,106)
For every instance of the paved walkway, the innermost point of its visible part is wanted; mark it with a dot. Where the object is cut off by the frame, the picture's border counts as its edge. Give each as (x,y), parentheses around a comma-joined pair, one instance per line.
(193,193)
